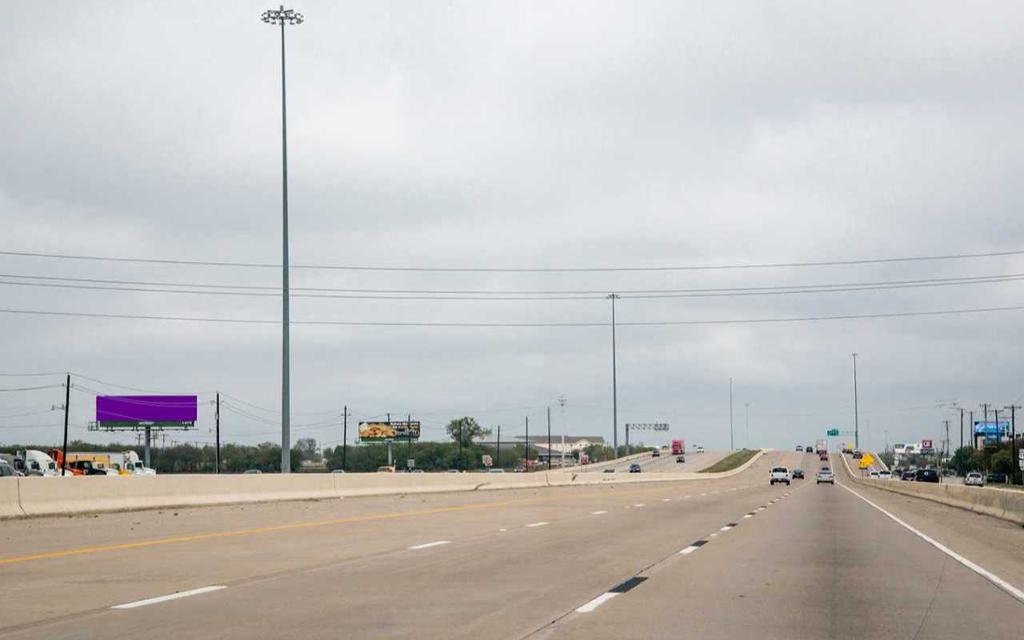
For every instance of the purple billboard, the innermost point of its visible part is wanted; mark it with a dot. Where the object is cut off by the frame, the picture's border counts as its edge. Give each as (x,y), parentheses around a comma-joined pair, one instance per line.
(134,411)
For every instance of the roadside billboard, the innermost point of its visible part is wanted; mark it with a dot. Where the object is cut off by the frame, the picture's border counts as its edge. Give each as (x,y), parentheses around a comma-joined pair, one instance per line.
(381,431)
(992,431)
(132,412)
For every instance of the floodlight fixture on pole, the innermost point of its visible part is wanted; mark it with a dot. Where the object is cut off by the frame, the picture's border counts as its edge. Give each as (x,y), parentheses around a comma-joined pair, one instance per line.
(282,17)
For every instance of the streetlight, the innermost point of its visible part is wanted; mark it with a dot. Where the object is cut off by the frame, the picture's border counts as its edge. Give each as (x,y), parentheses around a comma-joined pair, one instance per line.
(615,388)
(282,17)
(856,421)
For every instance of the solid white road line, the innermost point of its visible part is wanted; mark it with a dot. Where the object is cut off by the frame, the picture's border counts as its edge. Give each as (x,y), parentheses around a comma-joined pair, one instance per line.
(536,524)
(427,545)
(981,571)
(173,596)
(598,513)
(596,602)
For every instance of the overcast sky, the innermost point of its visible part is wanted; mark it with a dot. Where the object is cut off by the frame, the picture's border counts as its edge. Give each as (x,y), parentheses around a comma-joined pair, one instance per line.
(518,135)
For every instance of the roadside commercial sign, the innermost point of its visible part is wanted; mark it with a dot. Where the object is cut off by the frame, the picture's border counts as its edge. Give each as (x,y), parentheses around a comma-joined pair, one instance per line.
(410,464)
(488,460)
(380,431)
(647,426)
(926,444)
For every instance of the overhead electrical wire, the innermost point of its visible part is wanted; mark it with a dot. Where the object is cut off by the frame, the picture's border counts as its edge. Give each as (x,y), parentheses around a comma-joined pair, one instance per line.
(720,267)
(501,295)
(378,323)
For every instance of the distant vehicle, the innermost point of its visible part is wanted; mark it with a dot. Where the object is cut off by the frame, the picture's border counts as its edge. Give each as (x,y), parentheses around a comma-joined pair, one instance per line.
(635,468)
(38,463)
(808,449)
(926,475)
(798,474)
(251,472)
(421,471)
(821,445)
(996,478)
(456,470)
(385,469)
(337,471)
(680,458)
(86,468)
(489,470)
(873,474)
(519,469)
(857,454)
(699,449)
(8,471)
(884,475)
(974,479)
(609,470)
(655,452)
(778,474)
(16,463)
(800,448)
(678,447)
(823,455)
(909,475)
(825,475)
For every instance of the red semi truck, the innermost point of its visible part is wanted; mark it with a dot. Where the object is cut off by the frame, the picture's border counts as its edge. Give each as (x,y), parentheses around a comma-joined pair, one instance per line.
(678,447)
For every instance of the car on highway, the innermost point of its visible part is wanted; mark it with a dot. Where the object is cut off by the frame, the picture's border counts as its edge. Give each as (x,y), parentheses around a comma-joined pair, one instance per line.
(825,475)
(635,468)
(337,471)
(8,471)
(778,474)
(798,474)
(249,472)
(996,478)
(873,475)
(800,448)
(857,454)
(680,458)
(974,479)
(699,449)
(885,475)
(609,470)
(491,470)
(655,453)
(909,475)
(808,449)
(926,475)
(385,469)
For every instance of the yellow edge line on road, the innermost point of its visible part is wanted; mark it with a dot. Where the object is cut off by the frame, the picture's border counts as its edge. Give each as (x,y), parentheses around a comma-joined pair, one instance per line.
(287,527)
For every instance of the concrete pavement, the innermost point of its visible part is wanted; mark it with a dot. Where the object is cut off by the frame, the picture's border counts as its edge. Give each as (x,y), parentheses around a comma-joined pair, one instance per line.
(502,565)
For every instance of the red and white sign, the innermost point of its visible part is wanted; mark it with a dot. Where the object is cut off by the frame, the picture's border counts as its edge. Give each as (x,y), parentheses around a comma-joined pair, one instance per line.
(926,444)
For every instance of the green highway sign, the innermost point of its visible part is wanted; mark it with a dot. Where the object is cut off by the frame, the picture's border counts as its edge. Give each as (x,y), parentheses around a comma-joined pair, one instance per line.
(832,432)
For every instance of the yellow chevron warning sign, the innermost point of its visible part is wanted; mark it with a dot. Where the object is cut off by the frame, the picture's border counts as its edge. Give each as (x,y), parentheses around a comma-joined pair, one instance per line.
(867,461)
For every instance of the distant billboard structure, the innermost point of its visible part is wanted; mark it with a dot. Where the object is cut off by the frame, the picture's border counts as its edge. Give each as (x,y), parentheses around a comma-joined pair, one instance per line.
(145,413)
(992,432)
(383,431)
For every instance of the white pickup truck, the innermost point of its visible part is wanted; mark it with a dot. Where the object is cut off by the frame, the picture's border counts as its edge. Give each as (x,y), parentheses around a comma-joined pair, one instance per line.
(779,474)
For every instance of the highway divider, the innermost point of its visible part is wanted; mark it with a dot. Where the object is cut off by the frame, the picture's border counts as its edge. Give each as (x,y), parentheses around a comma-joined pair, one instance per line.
(20,497)
(1005,504)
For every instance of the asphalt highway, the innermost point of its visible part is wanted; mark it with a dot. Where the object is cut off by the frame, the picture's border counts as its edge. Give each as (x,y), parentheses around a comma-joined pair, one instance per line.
(727,558)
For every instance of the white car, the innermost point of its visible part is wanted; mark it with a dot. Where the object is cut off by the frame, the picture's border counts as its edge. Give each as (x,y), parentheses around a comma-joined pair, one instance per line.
(825,475)
(974,479)
(885,475)
(779,474)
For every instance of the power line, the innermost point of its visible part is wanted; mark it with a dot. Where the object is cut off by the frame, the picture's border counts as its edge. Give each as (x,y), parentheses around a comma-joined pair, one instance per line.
(498,295)
(766,265)
(35,388)
(652,323)
(32,375)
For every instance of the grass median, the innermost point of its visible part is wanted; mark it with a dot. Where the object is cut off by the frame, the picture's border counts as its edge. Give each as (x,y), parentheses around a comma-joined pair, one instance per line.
(731,461)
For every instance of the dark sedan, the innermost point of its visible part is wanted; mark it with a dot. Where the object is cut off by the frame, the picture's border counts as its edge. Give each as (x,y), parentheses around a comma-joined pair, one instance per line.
(798,474)
(926,475)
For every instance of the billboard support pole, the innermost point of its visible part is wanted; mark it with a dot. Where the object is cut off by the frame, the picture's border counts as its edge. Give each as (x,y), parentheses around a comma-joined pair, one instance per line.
(549,439)
(408,441)
(497,452)
(344,439)
(145,452)
(67,406)
(974,436)
(526,449)
(217,414)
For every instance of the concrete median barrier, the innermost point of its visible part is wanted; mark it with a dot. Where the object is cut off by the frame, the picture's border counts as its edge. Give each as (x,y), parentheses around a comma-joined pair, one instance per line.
(10,502)
(21,497)
(1005,504)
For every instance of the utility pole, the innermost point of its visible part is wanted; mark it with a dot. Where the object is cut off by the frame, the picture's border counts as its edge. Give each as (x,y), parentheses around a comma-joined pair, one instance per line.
(526,455)
(497,450)
(408,441)
(961,427)
(460,441)
(856,415)
(1015,462)
(561,403)
(732,444)
(615,388)
(216,456)
(67,407)
(549,439)
(974,438)
(344,439)
(282,17)
(945,452)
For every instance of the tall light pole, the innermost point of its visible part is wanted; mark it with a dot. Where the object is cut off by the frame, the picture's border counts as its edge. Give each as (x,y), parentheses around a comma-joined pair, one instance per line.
(615,384)
(856,416)
(282,17)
